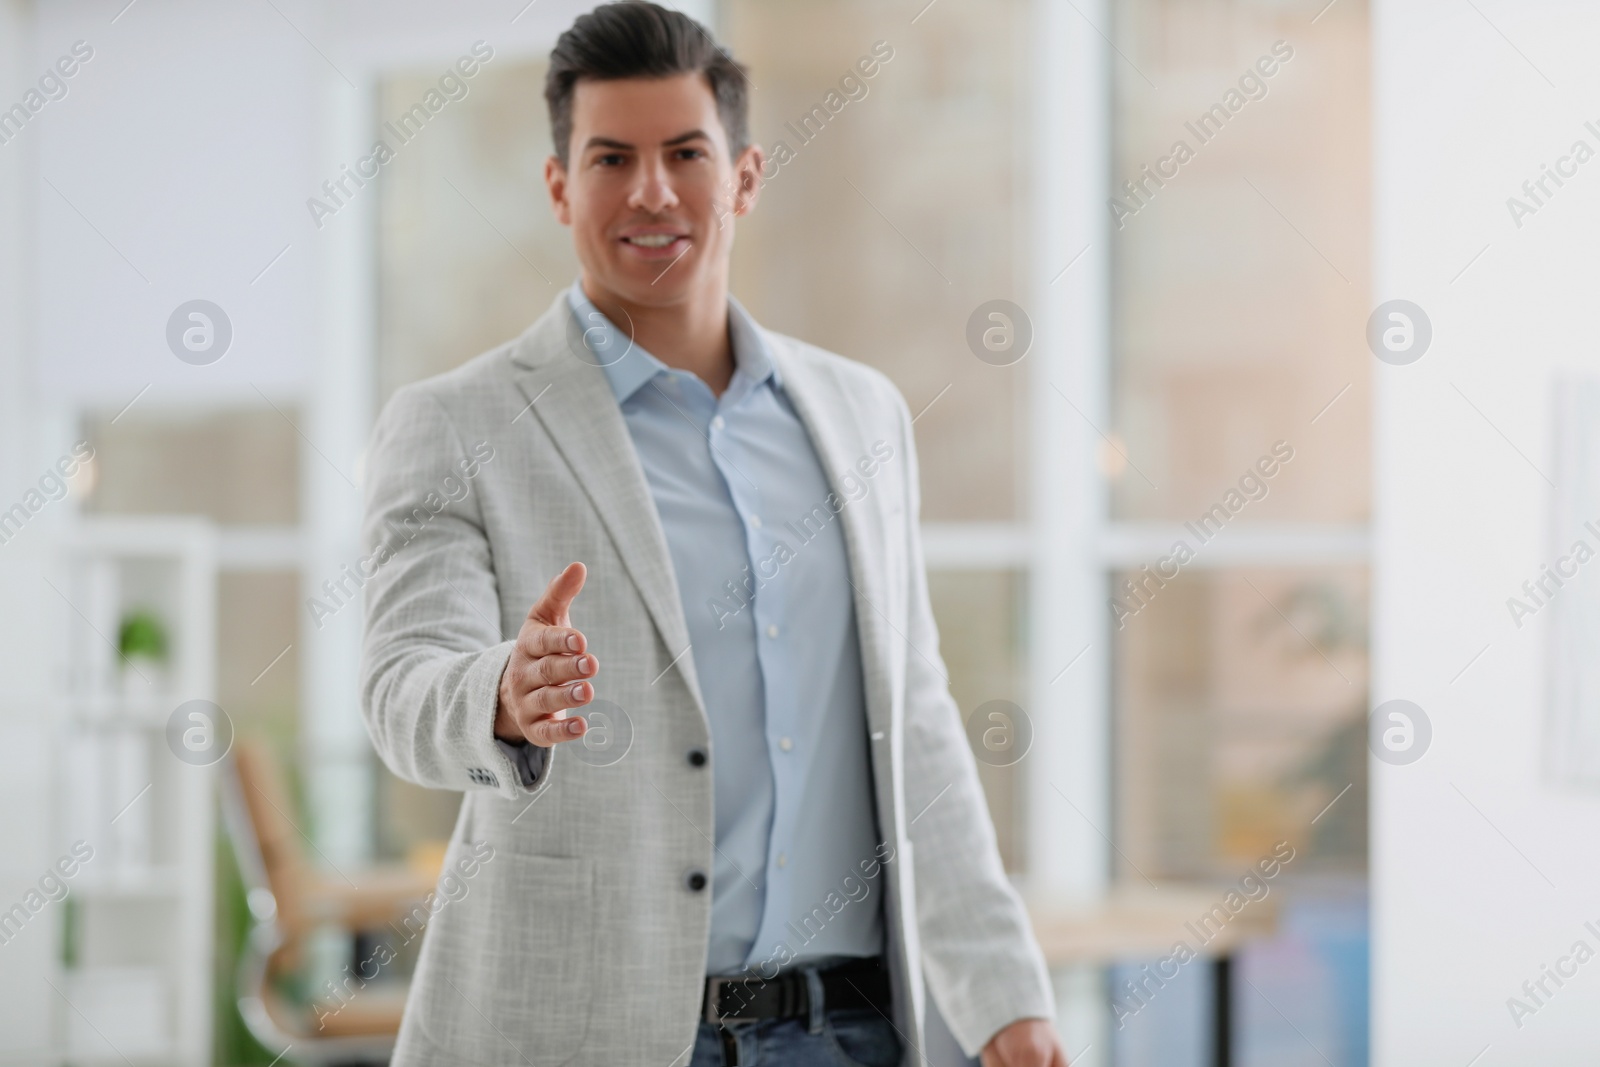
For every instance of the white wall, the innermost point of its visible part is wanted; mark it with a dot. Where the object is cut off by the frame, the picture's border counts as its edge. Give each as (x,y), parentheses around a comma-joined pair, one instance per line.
(172,171)
(15,257)
(26,833)
(191,142)
(1482,872)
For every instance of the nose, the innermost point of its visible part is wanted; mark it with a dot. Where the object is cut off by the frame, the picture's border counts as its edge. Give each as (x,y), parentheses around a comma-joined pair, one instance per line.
(652,188)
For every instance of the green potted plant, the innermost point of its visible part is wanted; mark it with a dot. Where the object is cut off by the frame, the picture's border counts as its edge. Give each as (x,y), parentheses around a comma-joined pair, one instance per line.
(143,646)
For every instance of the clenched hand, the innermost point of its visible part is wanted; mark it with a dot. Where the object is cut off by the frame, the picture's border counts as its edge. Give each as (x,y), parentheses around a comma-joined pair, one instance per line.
(1024,1043)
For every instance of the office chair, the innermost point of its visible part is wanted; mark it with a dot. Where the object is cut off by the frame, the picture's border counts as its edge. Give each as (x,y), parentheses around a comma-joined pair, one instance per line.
(289,899)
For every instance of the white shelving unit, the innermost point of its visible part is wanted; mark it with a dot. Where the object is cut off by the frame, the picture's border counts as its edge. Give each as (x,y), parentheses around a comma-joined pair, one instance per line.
(137,988)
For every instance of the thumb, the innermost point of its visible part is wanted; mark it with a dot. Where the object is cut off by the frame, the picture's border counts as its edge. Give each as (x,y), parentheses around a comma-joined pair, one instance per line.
(551,607)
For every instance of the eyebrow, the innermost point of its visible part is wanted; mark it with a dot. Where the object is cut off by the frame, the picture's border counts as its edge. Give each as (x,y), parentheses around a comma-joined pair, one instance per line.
(695,134)
(682,138)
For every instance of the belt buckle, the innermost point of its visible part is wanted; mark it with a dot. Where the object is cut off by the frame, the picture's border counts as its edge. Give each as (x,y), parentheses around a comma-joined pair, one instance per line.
(714,986)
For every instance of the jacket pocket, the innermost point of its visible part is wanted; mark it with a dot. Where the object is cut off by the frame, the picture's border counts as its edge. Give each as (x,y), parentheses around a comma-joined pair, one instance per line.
(506,971)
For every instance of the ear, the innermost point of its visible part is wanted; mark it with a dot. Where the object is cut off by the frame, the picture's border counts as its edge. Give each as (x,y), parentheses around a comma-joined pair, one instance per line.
(555,180)
(747,179)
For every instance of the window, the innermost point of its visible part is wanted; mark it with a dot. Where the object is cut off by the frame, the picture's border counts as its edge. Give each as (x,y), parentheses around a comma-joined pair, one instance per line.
(1238,481)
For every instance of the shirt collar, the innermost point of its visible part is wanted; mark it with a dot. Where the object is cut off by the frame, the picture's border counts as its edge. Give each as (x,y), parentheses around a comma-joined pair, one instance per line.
(628,366)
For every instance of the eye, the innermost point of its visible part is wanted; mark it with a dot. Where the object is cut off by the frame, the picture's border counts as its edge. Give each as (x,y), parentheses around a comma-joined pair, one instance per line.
(691,153)
(610,159)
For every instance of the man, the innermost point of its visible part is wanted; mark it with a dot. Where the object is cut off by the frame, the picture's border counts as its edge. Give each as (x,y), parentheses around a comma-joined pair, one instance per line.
(732,813)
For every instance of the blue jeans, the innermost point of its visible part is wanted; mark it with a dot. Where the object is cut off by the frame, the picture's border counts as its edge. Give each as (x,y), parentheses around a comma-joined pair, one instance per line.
(845,1038)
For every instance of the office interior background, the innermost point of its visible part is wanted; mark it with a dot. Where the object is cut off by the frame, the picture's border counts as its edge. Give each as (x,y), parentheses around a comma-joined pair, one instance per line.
(1369,271)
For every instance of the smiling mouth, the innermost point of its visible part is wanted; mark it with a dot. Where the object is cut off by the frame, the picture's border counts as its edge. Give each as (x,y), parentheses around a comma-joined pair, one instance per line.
(653,240)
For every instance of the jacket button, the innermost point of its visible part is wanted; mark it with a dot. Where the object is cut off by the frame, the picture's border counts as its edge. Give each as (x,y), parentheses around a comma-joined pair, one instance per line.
(696,757)
(695,880)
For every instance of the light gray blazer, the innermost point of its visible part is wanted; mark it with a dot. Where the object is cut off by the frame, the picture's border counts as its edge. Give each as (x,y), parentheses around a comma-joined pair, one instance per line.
(580,941)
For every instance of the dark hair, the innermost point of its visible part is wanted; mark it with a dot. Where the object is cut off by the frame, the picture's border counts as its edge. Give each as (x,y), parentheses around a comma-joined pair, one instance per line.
(636,39)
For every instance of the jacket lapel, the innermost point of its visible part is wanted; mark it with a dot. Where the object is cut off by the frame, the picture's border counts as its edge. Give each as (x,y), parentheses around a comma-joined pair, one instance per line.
(573,400)
(829,412)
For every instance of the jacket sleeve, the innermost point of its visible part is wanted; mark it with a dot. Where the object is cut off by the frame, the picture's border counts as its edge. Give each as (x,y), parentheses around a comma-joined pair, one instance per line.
(979,955)
(434,649)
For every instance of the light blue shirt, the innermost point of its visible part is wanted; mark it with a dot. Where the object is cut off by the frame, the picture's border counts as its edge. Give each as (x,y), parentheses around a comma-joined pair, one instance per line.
(765,582)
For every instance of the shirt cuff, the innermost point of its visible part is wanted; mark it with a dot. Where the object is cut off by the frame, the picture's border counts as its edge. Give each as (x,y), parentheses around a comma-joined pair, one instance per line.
(527,759)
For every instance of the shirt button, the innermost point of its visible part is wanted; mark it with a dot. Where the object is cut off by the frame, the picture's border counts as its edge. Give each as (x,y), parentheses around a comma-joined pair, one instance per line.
(696,757)
(783,859)
(695,881)
(772,631)
(785,743)
(717,422)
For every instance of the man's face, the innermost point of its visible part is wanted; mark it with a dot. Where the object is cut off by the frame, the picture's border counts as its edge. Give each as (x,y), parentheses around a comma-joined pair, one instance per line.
(650,188)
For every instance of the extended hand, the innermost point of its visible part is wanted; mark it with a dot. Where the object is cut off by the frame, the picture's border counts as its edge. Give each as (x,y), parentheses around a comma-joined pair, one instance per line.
(545,674)
(1024,1043)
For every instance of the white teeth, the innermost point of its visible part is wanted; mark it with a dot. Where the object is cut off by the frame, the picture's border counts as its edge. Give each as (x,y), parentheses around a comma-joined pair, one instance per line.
(653,240)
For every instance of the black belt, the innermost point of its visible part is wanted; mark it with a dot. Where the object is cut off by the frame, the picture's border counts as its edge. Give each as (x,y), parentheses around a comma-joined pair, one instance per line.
(855,984)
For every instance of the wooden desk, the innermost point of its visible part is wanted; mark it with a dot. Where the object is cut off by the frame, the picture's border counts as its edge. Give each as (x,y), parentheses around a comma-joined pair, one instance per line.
(1137,922)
